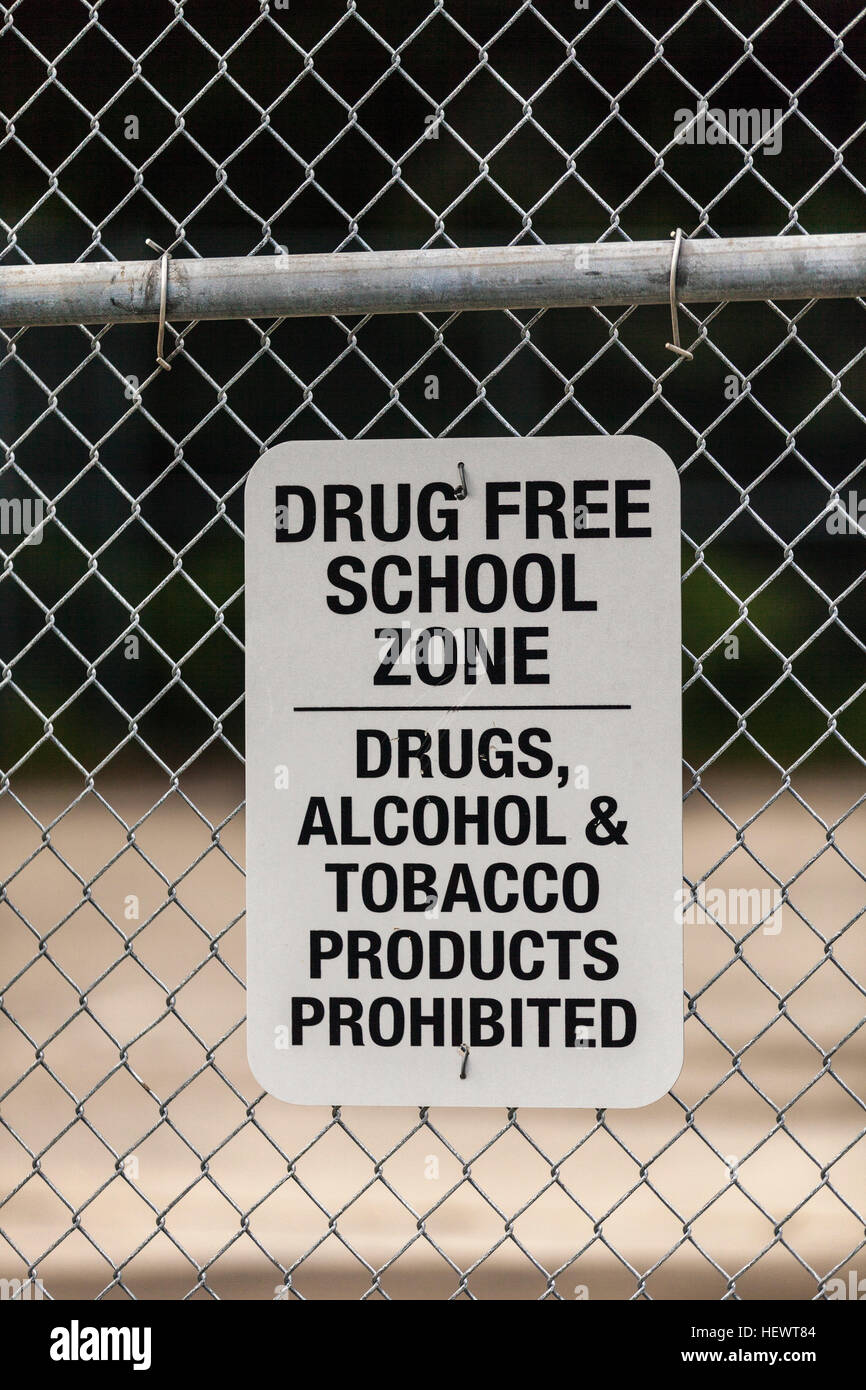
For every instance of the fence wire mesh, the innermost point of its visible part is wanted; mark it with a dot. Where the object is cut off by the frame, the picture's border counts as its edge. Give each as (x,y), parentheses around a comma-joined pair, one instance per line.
(137,1156)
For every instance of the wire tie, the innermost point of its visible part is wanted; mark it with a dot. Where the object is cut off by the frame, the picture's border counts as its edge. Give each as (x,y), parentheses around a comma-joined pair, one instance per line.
(675,327)
(163,295)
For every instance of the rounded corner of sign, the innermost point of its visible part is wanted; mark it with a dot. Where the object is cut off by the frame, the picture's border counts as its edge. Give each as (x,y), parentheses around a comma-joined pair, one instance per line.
(282,452)
(254,474)
(651,450)
(288,1090)
(260,1072)
(663,1087)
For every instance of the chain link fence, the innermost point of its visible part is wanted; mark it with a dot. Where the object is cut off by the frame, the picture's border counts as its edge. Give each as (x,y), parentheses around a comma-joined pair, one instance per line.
(137,1156)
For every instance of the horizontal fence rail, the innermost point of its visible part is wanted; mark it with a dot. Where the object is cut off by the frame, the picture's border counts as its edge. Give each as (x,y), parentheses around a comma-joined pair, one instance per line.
(394,282)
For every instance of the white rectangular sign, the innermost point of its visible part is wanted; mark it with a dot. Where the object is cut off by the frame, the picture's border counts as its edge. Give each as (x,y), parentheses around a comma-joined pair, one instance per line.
(463,745)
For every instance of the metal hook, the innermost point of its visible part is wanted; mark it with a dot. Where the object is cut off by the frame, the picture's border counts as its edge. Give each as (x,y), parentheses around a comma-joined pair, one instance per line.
(461,491)
(163,294)
(465,1050)
(675,327)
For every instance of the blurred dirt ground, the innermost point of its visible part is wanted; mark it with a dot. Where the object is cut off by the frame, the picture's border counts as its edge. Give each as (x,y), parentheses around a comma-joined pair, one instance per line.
(204,1186)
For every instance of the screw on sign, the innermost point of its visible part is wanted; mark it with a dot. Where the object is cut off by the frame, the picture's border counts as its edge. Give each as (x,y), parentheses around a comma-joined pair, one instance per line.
(439,908)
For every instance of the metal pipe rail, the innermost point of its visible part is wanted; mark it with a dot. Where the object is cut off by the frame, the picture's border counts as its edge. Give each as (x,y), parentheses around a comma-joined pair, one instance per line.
(710,270)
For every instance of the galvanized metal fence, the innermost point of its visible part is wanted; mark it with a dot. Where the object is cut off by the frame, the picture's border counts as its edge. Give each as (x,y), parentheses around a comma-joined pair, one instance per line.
(137,1157)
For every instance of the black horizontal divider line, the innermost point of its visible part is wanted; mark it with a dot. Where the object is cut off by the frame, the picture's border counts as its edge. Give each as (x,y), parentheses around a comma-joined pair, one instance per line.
(412,709)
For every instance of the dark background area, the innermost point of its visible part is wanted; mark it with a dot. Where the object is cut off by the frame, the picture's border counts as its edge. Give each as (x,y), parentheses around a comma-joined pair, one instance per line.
(136,483)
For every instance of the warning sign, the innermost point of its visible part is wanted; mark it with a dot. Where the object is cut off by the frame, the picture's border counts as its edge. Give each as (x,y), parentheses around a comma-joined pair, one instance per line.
(463,746)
